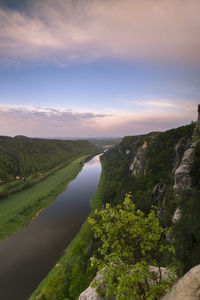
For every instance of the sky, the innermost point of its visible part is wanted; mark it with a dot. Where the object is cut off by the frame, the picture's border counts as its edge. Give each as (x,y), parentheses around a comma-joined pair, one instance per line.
(97,68)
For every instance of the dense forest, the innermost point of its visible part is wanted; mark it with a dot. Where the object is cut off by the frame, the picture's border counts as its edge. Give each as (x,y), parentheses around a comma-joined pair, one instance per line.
(25,161)
(21,156)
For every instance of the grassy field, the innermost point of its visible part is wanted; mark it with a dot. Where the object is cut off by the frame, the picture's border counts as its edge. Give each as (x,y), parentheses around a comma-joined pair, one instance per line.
(17,209)
(47,286)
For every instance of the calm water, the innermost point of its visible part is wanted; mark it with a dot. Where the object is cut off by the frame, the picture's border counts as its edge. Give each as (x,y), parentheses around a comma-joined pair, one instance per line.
(27,257)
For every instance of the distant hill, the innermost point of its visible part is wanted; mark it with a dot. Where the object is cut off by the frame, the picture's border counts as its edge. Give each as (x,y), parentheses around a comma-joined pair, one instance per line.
(98,141)
(105,142)
(21,156)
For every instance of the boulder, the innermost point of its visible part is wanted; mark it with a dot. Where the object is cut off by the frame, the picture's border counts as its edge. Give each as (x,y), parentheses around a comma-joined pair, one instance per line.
(91,294)
(187,288)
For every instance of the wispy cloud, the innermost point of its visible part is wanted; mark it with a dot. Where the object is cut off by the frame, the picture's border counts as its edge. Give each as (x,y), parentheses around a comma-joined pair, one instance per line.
(39,121)
(157,104)
(66,31)
(36,121)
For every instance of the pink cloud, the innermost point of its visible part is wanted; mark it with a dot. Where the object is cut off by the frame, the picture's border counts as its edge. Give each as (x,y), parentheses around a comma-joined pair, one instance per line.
(47,122)
(66,31)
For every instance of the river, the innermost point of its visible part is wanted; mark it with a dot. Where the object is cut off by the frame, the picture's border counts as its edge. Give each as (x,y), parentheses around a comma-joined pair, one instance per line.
(28,256)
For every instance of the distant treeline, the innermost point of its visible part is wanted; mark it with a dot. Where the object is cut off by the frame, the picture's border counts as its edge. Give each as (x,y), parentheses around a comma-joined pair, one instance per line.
(105,142)
(22,156)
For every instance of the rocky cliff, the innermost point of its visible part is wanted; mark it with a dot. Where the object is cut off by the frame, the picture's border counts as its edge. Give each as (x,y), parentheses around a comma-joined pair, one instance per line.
(158,169)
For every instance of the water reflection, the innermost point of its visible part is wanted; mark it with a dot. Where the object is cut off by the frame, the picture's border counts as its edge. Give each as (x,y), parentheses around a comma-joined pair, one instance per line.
(27,257)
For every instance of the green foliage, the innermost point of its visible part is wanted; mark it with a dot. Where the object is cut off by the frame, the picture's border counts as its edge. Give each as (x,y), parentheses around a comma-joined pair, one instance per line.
(187,232)
(131,242)
(78,281)
(21,156)
(169,206)
(159,160)
(56,288)
(196,168)
(161,153)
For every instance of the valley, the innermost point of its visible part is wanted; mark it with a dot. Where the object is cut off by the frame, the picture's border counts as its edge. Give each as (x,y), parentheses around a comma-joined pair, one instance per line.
(145,166)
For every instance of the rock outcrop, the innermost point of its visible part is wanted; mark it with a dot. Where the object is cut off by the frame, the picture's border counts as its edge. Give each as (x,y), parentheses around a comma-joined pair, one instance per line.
(182,178)
(91,294)
(187,288)
(176,215)
(139,160)
(183,166)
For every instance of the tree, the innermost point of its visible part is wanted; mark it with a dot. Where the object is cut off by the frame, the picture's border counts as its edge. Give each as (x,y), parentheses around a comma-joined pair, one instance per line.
(131,242)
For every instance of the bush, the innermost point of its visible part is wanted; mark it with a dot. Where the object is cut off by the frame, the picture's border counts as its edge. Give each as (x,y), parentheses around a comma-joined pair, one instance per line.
(131,242)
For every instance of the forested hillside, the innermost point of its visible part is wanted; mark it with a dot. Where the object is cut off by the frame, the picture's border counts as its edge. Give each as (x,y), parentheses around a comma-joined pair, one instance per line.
(153,169)
(32,174)
(159,169)
(21,156)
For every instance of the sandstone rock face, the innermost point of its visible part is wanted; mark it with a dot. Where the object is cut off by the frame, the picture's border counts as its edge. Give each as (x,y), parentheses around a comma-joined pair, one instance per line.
(184,163)
(187,288)
(139,159)
(176,215)
(182,178)
(91,294)
(183,166)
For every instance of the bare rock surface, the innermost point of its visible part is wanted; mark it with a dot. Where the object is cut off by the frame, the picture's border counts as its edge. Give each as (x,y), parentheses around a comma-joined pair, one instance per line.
(139,160)
(182,174)
(91,294)
(177,215)
(184,164)
(187,288)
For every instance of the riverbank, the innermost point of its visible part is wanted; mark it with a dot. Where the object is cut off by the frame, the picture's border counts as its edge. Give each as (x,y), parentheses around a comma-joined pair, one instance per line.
(55,282)
(18,209)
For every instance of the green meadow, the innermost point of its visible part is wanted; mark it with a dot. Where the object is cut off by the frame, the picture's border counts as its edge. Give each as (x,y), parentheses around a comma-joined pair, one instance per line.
(18,209)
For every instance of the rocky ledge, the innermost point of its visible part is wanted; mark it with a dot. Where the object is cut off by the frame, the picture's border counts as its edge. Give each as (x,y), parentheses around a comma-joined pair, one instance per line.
(187,288)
